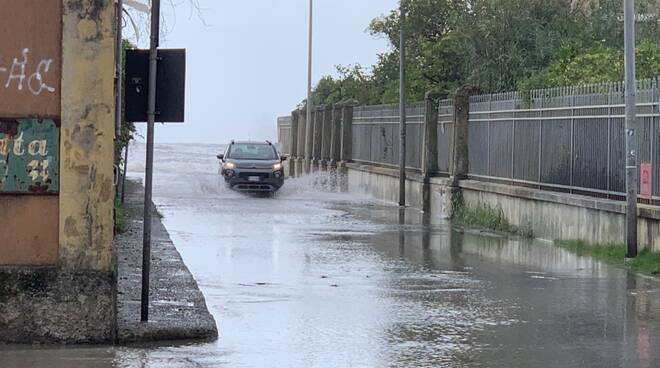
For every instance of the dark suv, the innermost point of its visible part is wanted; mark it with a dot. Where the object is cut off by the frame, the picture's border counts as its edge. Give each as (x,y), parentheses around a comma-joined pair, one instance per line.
(252,166)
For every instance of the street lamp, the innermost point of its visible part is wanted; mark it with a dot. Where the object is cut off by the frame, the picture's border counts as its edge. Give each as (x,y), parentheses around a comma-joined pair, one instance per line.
(308,119)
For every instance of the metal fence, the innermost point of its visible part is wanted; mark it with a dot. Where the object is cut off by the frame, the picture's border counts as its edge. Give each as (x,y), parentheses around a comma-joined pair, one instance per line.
(284,134)
(564,139)
(569,139)
(376,135)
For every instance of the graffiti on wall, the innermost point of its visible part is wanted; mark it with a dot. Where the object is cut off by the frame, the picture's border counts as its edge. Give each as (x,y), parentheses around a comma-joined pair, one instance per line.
(29,156)
(18,76)
(30,58)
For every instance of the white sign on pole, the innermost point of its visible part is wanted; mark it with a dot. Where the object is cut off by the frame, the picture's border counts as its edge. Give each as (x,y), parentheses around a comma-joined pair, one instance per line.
(138,5)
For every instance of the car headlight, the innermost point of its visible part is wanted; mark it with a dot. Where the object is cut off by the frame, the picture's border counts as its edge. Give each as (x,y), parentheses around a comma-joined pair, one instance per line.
(277,166)
(230,165)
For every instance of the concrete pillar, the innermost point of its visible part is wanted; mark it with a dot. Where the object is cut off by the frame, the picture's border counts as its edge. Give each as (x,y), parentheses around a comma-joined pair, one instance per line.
(335,146)
(346,145)
(346,151)
(335,133)
(309,144)
(460,161)
(430,151)
(300,147)
(318,136)
(326,139)
(295,118)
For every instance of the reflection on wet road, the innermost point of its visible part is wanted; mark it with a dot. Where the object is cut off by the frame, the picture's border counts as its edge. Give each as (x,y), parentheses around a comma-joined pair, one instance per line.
(315,279)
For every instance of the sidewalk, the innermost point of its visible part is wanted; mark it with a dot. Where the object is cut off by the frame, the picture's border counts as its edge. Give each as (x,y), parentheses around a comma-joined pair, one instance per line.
(177,308)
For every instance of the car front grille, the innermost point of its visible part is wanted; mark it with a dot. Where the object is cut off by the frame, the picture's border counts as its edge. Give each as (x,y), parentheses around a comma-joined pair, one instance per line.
(245,175)
(254,187)
(250,166)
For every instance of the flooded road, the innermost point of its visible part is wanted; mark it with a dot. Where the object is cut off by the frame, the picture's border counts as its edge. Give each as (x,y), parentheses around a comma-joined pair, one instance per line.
(315,279)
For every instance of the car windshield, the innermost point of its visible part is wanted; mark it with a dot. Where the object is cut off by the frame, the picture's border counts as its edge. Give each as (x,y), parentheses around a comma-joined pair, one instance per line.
(240,151)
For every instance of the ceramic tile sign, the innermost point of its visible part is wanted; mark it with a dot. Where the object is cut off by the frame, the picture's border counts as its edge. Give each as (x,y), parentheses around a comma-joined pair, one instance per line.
(645,181)
(29,156)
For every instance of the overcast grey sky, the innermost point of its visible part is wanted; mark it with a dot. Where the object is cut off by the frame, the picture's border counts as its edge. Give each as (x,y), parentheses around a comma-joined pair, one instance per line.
(247,65)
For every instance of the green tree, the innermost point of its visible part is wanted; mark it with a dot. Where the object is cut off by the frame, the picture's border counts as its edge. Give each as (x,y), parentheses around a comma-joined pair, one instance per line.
(597,64)
(499,45)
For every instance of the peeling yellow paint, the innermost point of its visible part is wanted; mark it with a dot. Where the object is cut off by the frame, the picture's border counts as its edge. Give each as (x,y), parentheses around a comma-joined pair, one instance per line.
(86,191)
(87,29)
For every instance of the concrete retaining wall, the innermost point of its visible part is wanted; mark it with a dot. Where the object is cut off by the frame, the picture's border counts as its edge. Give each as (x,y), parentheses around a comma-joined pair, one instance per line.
(553,215)
(549,215)
(383,184)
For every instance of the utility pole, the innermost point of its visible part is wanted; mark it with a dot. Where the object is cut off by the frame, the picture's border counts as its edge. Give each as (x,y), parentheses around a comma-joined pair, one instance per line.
(119,57)
(631,141)
(308,118)
(148,177)
(402,108)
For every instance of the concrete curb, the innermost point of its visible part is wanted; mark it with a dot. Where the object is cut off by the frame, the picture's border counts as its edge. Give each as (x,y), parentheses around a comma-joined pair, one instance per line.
(177,307)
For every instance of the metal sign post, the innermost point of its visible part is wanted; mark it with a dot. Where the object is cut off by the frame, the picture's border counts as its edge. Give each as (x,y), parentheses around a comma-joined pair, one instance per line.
(119,56)
(148,182)
(631,142)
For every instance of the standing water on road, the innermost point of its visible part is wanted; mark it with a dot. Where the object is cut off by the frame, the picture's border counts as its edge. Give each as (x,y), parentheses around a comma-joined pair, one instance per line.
(308,278)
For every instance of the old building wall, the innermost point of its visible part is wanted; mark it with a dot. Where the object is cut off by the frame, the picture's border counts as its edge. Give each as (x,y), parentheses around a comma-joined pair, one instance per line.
(57,280)
(30,61)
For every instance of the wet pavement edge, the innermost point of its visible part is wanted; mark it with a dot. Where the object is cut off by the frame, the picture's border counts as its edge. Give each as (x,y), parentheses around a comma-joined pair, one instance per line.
(177,309)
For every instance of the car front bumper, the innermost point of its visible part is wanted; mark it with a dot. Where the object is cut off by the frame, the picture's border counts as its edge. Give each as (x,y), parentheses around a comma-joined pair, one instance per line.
(254,180)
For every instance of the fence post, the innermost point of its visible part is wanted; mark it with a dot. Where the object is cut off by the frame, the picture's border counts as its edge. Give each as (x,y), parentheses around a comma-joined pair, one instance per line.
(430,149)
(541,97)
(488,126)
(346,145)
(609,137)
(295,118)
(460,161)
(573,92)
(654,137)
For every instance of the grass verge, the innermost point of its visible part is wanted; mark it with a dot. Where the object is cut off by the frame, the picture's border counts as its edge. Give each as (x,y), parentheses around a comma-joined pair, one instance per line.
(486,217)
(646,262)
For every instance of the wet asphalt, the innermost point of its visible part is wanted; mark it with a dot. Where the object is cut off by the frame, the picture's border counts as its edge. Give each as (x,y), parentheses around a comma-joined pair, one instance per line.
(309,278)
